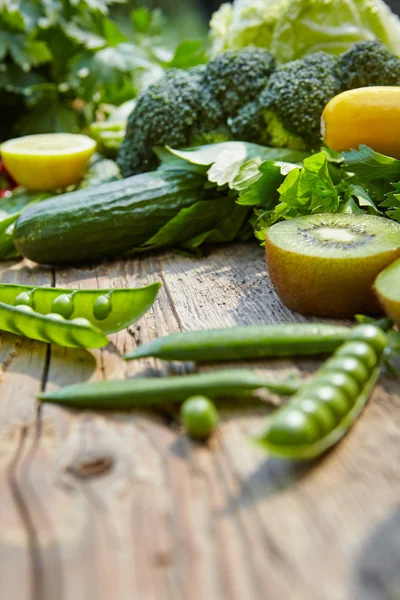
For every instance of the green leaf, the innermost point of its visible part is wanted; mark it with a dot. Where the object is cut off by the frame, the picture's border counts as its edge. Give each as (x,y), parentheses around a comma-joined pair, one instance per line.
(229,227)
(25,51)
(232,151)
(264,191)
(11,17)
(362,197)
(369,165)
(147,22)
(112,33)
(10,209)
(189,53)
(109,75)
(351,207)
(248,174)
(49,115)
(78,32)
(215,220)
(39,53)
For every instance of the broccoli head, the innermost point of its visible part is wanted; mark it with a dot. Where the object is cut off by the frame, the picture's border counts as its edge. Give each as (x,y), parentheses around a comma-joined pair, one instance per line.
(164,114)
(367,63)
(192,107)
(238,76)
(293,101)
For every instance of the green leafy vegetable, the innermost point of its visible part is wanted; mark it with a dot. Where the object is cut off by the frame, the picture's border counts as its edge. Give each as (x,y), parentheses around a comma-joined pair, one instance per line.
(293,28)
(62,60)
(358,181)
(369,165)
(216,220)
(230,163)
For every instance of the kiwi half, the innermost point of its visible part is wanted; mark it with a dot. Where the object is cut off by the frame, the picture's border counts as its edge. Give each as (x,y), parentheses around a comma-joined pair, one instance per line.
(326,264)
(387,288)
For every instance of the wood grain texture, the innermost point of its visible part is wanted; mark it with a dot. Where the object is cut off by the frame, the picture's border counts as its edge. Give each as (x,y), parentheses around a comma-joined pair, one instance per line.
(123,505)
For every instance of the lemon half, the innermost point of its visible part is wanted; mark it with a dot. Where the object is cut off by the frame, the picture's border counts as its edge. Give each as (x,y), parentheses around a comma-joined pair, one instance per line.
(47,161)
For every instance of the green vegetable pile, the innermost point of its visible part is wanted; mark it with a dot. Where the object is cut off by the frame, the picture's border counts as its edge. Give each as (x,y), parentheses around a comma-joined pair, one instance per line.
(62,59)
(206,194)
(243,95)
(358,181)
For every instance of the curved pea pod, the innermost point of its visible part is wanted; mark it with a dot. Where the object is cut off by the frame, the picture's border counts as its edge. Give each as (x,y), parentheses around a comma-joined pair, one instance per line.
(78,333)
(108,309)
(131,393)
(247,342)
(322,411)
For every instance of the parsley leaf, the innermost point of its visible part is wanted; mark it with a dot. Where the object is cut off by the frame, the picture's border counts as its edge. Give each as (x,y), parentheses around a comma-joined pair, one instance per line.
(369,165)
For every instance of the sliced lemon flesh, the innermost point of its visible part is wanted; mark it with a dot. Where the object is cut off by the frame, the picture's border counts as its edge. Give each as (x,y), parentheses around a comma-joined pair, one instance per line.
(47,161)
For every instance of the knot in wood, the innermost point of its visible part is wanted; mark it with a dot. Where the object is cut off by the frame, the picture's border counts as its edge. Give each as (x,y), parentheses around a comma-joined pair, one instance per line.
(86,467)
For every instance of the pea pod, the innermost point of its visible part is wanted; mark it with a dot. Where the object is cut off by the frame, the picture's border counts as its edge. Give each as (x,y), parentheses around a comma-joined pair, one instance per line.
(78,333)
(248,342)
(130,393)
(108,309)
(322,411)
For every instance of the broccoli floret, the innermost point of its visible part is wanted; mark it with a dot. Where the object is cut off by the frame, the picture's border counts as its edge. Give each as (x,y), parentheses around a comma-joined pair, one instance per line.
(295,97)
(163,115)
(238,76)
(192,107)
(248,125)
(210,126)
(368,63)
(279,136)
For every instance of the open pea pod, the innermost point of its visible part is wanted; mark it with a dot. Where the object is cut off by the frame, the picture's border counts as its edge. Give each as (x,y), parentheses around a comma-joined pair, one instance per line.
(109,310)
(322,411)
(77,333)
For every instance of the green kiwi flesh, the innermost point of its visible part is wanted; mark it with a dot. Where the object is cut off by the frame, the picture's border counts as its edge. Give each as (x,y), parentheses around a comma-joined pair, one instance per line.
(326,264)
(387,288)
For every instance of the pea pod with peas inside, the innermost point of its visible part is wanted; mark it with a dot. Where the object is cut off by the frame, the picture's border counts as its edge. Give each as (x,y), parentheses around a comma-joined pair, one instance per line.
(321,412)
(71,317)
(53,327)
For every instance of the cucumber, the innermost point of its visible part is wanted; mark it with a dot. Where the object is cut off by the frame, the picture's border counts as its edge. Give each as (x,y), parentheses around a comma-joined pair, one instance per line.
(108,220)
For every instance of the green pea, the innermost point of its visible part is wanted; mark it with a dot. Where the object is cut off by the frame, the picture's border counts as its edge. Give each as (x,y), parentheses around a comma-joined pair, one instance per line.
(102,308)
(342,381)
(63,305)
(347,364)
(81,321)
(370,334)
(199,416)
(321,413)
(16,324)
(291,426)
(332,397)
(24,299)
(360,350)
(25,308)
(55,317)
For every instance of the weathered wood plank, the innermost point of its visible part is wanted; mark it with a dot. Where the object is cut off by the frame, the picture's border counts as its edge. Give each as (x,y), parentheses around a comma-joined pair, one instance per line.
(22,370)
(125,506)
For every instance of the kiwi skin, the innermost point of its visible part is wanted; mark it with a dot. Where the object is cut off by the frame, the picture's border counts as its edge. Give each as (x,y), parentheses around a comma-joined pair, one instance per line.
(327,287)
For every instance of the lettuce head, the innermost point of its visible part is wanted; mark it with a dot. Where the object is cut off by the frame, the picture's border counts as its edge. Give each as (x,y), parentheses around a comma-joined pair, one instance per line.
(293,28)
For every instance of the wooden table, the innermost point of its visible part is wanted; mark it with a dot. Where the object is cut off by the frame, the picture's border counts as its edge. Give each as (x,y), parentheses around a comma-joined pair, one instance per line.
(124,507)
